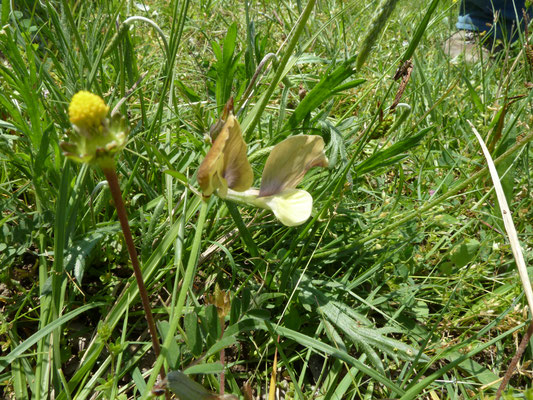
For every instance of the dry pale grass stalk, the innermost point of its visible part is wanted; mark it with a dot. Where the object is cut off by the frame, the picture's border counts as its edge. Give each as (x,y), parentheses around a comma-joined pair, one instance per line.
(508,222)
(517,253)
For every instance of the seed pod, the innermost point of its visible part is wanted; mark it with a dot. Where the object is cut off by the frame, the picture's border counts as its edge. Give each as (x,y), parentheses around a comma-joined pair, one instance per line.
(383,127)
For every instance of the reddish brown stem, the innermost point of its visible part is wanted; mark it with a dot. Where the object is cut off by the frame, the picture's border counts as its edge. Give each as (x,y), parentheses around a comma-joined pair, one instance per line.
(222,359)
(521,348)
(114,187)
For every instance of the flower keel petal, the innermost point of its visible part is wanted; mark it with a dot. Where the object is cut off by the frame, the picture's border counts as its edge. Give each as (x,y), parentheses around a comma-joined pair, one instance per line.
(292,207)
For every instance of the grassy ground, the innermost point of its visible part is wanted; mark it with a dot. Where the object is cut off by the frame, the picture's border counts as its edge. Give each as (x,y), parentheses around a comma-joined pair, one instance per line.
(401,285)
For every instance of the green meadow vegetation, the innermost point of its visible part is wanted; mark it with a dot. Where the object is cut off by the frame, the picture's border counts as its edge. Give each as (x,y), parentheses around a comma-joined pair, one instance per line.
(400,285)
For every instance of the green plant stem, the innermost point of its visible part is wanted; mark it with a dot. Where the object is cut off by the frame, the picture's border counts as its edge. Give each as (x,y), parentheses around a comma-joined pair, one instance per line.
(243,229)
(56,301)
(247,93)
(114,187)
(281,66)
(175,318)
(74,29)
(429,205)
(40,382)
(154,25)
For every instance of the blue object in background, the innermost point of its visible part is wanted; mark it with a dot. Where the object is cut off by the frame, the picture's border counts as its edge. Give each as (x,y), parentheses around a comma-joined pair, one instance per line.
(478,15)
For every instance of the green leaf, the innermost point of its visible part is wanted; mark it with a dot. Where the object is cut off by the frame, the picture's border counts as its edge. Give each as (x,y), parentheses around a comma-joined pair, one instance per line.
(137,377)
(226,341)
(43,152)
(226,65)
(209,368)
(349,85)
(213,324)
(445,220)
(173,353)
(5,12)
(465,252)
(191,95)
(187,389)
(194,336)
(446,268)
(329,85)
(178,175)
(474,96)
(419,32)
(337,147)
(507,169)
(475,370)
(79,252)
(392,154)
(235,312)
(229,44)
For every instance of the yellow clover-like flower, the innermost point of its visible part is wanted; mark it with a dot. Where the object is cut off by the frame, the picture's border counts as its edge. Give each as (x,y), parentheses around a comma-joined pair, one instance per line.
(221,300)
(95,137)
(87,110)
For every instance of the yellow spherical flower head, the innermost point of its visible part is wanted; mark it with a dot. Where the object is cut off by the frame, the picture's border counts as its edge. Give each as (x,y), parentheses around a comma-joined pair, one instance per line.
(87,110)
(95,137)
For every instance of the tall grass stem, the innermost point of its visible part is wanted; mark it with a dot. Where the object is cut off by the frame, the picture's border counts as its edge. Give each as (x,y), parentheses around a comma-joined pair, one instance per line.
(281,67)
(154,25)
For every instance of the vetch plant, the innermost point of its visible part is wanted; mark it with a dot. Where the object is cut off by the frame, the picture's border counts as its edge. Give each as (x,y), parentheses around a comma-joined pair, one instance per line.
(226,172)
(96,139)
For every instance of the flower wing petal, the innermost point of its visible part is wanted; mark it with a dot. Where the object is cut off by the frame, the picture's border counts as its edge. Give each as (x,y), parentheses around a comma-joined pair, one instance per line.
(225,164)
(289,161)
(237,169)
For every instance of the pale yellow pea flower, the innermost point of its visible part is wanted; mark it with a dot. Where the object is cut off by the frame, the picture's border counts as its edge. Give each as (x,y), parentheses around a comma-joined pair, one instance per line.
(226,171)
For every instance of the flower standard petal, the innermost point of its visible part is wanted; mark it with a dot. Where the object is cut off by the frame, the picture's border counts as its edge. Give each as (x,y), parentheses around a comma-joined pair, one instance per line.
(226,165)
(289,161)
